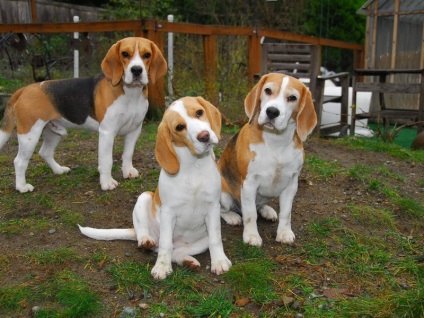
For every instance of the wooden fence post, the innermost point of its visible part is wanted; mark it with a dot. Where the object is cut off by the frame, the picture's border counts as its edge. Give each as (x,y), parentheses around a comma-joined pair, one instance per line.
(156,90)
(209,56)
(254,57)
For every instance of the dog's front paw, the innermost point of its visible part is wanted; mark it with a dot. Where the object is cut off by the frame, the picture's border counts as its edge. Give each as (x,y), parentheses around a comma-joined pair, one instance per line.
(252,239)
(61,170)
(268,213)
(222,266)
(231,218)
(130,173)
(25,188)
(147,242)
(108,184)
(285,236)
(160,271)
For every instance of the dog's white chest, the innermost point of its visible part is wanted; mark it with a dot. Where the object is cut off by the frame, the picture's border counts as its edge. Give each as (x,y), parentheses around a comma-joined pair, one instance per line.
(274,168)
(190,196)
(126,113)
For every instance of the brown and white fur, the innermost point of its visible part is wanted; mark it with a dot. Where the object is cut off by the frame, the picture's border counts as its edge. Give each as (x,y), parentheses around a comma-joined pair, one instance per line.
(265,158)
(182,217)
(112,103)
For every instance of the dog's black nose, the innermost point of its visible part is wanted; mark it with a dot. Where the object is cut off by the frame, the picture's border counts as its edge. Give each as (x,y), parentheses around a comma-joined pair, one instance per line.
(272,112)
(203,136)
(136,70)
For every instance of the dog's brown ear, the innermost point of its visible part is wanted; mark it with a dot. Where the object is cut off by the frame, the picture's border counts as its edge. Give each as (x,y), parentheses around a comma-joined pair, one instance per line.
(164,150)
(306,117)
(111,64)
(158,65)
(213,114)
(252,103)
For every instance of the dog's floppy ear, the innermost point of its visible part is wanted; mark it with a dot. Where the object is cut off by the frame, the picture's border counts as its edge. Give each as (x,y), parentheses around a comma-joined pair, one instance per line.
(158,65)
(164,150)
(306,117)
(213,114)
(252,103)
(111,64)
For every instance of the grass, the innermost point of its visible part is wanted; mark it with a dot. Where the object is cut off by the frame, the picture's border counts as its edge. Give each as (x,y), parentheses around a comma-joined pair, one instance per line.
(372,253)
(376,145)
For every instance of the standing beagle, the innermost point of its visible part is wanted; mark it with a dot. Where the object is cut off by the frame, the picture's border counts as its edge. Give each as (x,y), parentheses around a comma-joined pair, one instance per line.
(182,217)
(265,158)
(113,103)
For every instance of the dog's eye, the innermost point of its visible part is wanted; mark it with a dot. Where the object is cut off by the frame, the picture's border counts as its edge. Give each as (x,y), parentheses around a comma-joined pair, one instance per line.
(147,55)
(125,54)
(180,127)
(268,91)
(291,98)
(199,113)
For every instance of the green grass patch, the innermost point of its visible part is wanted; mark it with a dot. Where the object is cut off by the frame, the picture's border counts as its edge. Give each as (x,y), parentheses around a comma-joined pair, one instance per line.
(322,169)
(54,257)
(406,303)
(217,304)
(64,295)
(130,275)
(369,216)
(253,279)
(71,295)
(377,145)
(410,206)
(19,226)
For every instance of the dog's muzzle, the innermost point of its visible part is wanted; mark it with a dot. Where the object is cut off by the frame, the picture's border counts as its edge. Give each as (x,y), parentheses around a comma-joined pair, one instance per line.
(137,74)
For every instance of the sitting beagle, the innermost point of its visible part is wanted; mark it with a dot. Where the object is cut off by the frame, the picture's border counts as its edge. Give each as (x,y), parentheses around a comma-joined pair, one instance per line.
(265,158)
(112,103)
(182,217)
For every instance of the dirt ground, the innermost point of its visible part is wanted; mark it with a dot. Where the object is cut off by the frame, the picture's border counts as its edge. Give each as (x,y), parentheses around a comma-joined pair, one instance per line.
(316,199)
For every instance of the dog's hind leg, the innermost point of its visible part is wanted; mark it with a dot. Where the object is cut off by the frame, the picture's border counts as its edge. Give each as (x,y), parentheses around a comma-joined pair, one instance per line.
(52,134)
(232,218)
(182,253)
(145,225)
(268,213)
(27,144)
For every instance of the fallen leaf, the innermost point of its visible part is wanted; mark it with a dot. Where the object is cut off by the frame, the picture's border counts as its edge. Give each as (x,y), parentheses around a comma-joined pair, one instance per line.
(102,262)
(334,293)
(287,301)
(241,302)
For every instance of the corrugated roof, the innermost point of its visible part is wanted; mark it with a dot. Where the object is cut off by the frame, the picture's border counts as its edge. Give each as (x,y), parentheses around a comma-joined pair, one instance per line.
(387,6)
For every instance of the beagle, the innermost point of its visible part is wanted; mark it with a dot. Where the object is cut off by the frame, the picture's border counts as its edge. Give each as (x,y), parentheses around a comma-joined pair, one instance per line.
(182,217)
(112,103)
(265,158)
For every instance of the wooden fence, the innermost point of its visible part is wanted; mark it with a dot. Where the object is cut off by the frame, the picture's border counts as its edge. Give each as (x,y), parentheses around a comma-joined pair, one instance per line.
(154,30)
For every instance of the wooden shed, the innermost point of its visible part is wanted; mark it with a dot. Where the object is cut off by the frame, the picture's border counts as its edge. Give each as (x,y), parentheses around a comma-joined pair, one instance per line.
(395,41)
